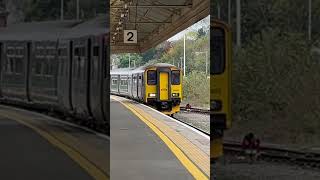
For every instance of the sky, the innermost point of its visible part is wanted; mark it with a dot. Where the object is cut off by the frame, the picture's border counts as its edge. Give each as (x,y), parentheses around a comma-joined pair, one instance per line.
(196,26)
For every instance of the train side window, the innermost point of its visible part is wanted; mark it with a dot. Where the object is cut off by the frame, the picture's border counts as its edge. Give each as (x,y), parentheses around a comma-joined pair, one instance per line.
(18,66)
(38,67)
(96,50)
(152,77)
(218,42)
(77,51)
(175,77)
(114,82)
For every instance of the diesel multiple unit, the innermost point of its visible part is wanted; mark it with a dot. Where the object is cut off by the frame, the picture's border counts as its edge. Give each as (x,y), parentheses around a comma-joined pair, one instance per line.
(158,85)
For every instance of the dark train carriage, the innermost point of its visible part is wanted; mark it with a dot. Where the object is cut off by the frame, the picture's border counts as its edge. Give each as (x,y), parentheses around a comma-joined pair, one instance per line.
(64,58)
(14,70)
(98,77)
(80,76)
(43,73)
(56,67)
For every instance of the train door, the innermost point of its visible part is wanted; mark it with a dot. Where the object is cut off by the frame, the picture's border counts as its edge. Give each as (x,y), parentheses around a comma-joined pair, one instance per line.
(134,86)
(63,78)
(69,72)
(137,86)
(28,68)
(139,93)
(164,86)
(88,75)
(80,79)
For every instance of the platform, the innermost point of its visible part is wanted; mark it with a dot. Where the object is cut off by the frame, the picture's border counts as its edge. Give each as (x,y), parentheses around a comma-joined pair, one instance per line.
(151,145)
(35,146)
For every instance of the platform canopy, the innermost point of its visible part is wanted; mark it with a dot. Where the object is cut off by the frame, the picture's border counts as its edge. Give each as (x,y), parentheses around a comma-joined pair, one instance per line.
(154,20)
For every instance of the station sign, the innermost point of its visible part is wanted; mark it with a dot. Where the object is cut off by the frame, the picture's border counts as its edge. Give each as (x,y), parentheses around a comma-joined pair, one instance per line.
(130,36)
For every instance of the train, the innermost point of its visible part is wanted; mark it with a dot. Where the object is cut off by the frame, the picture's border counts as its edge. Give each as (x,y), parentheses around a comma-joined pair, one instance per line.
(220,85)
(57,66)
(157,85)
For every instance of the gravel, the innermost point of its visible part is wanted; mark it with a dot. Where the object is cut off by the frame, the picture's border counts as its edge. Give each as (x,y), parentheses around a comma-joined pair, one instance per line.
(262,171)
(201,121)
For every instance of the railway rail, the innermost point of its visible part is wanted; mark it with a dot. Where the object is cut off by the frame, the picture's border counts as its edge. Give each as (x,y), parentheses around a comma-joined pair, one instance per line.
(195,110)
(273,154)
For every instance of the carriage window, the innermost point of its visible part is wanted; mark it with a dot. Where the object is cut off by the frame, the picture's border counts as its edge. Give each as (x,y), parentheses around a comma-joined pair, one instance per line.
(152,77)
(96,51)
(114,82)
(175,79)
(124,82)
(77,52)
(219,50)
(18,65)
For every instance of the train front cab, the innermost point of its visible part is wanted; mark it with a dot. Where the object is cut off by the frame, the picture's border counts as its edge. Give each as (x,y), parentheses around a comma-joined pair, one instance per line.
(163,88)
(220,85)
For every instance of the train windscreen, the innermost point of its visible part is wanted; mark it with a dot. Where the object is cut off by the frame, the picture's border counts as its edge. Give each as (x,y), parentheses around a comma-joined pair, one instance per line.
(152,77)
(175,76)
(218,51)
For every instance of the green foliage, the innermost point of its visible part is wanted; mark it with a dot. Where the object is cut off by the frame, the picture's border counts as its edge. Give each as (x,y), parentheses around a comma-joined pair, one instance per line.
(135,59)
(276,84)
(196,89)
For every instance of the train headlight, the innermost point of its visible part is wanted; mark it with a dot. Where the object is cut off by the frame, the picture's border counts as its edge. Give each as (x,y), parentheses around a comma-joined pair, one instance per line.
(216,105)
(152,95)
(175,94)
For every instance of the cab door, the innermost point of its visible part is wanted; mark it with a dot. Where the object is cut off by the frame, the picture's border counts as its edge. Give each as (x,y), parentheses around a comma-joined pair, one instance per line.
(164,86)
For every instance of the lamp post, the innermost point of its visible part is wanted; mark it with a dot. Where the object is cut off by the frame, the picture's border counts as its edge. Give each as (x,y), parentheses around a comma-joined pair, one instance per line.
(238,23)
(310,20)
(184,54)
(129,60)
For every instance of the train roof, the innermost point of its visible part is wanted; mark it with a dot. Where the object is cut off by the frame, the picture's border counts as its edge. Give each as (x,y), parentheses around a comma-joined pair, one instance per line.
(53,30)
(126,71)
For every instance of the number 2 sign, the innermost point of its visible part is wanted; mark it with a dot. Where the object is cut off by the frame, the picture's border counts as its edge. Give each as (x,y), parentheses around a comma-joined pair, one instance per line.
(130,36)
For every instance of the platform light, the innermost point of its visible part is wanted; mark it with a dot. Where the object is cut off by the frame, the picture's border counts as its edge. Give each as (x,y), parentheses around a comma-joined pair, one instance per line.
(122,15)
(125,5)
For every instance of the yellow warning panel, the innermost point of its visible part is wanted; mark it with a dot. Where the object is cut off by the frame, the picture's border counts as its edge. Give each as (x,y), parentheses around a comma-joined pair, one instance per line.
(216,149)
(164,86)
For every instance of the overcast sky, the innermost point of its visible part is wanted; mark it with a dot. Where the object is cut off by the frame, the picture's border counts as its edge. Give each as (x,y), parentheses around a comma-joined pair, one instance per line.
(198,25)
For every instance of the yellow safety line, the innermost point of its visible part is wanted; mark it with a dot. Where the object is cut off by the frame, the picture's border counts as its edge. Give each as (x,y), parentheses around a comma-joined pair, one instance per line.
(77,157)
(191,167)
(192,151)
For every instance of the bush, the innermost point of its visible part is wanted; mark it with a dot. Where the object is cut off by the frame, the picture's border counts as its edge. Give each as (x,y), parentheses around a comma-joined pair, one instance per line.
(276,88)
(196,89)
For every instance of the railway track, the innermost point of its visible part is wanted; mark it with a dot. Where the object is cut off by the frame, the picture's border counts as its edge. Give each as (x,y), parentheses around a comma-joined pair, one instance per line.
(271,154)
(192,126)
(195,110)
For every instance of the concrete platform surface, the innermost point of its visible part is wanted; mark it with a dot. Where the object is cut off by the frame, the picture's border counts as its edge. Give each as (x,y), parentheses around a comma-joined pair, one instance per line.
(35,146)
(151,145)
